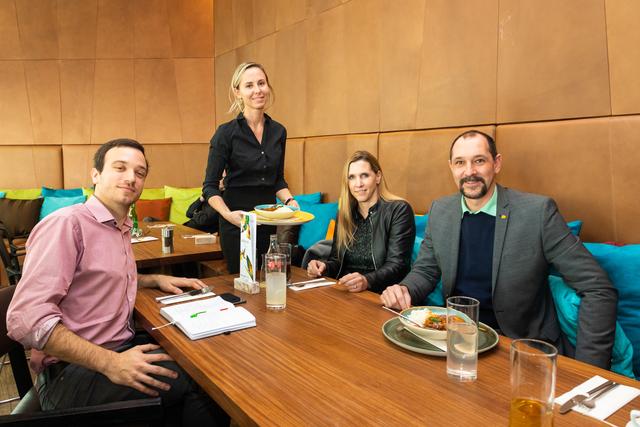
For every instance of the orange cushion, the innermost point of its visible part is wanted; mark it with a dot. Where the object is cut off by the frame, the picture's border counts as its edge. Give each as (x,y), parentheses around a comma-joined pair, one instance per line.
(330,229)
(158,209)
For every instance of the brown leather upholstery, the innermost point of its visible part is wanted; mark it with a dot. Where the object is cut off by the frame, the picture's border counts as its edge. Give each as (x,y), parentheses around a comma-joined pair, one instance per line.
(324,159)
(415,164)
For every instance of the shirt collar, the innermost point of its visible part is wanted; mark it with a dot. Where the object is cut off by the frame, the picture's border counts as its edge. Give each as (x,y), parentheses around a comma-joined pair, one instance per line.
(489,208)
(102,214)
(241,117)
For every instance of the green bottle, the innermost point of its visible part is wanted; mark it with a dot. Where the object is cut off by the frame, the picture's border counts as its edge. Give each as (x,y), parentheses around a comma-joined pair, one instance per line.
(135,230)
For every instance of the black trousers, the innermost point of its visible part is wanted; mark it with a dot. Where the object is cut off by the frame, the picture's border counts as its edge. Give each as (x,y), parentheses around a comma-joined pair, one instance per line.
(65,385)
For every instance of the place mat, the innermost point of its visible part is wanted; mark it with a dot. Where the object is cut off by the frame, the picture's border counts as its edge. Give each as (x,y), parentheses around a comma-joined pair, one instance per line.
(395,332)
(606,404)
(143,239)
(299,217)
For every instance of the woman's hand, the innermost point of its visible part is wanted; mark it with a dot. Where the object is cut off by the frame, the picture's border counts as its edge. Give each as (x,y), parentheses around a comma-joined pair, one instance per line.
(294,204)
(234,217)
(316,268)
(354,282)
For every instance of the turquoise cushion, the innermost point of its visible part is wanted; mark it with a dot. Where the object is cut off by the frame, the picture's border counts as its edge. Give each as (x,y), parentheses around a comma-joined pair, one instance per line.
(316,229)
(52,204)
(622,264)
(2,194)
(311,198)
(421,224)
(567,305)
(61,192)
(435,297)
(575,227)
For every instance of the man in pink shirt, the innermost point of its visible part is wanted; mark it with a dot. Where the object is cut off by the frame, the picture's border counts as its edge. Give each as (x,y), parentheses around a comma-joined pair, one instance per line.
(73,306)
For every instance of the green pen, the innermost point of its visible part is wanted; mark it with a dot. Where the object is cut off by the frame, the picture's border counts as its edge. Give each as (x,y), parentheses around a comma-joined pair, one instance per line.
(194,315)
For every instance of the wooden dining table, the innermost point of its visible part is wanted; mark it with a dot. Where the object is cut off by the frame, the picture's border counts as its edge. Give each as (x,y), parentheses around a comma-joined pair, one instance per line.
(325,361)
(149,254)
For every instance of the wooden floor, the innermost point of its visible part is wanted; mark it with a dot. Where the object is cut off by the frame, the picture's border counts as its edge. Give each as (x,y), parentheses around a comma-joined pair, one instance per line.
(7,387)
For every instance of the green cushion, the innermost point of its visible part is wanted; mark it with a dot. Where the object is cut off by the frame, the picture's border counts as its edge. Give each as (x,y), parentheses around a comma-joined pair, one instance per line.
(87,192)
(154,193)
(22,194)
(181,200)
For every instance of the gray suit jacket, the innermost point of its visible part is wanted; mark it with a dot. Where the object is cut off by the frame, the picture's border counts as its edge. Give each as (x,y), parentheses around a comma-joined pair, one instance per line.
(530,235)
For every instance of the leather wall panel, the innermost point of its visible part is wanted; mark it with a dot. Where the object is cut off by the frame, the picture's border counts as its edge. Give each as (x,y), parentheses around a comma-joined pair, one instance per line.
(9,35)
(264,17)
(625,157)
(77,28)
(623,39)
(327,111)
(191,24)
(14,109)
(289,79)
(114,114)
(37,25)
(400,46)
(315,7)
(194,83)
(223,26)
(43,86)
(242,22)
(556,70)
(30,166)
(567,160)
(77,161)
(294,165)
(157,115)
(76,100)
(115,29)
(324,159)
(195,160)
(459,56)
(225,64)
(416,164)
(289,12)
(152,31)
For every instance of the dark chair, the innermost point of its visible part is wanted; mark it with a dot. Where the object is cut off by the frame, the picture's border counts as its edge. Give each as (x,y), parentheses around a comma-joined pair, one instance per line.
(11,249)
(142,412)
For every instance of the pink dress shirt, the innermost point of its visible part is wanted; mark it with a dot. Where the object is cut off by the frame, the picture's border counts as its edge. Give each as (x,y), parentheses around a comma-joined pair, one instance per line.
(79,270)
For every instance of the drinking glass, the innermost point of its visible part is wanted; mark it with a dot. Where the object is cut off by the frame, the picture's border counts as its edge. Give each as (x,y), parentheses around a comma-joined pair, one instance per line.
(462,338)
(276,272)
(533,383)
(285,248)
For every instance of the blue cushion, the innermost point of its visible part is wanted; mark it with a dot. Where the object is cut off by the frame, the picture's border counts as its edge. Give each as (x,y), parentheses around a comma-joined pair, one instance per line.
(622,264)
(2,194)
(567,305)
(310,198)
(52,204)
(61,192)
(435,297)
(316,229)
(575,227)
(421,224)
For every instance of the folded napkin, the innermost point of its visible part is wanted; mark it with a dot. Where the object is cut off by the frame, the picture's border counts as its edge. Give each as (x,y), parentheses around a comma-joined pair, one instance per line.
(312,285)
(143,239)
(186,298)
(606,404)
(441,344)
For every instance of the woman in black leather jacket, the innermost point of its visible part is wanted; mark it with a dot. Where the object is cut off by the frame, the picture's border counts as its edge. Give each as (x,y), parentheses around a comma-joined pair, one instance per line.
(374,234)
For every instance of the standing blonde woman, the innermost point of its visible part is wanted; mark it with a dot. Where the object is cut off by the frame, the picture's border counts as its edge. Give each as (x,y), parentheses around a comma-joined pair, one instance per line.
(250,149)
(374,233)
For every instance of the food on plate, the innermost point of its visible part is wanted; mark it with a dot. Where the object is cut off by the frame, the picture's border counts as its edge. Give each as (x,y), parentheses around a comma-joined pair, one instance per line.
(277,211)
(431,320)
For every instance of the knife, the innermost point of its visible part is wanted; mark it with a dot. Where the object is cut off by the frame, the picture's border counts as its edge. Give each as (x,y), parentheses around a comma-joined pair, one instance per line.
(578,398)
(193,292)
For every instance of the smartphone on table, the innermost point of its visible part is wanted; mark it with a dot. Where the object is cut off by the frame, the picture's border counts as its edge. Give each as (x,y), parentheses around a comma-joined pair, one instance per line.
(233,299)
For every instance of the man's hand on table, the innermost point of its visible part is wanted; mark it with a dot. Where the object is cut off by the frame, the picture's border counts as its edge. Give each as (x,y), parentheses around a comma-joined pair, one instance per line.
(169,284)
(133,368)
(396,296)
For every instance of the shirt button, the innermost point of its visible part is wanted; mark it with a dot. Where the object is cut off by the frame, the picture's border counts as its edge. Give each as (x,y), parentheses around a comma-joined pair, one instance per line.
(262,152)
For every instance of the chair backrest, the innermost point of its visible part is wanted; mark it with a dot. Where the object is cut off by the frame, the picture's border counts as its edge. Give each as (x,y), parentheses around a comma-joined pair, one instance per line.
(19,365)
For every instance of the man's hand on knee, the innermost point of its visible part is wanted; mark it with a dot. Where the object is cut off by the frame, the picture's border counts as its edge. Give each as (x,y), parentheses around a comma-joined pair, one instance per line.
(134,367)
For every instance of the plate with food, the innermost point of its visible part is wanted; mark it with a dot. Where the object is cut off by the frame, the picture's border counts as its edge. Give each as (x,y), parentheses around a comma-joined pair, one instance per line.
(433,321)
(396,332)
(279,214)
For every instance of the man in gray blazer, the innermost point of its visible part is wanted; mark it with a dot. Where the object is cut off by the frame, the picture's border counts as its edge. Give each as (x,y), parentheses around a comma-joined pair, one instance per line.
(497,245)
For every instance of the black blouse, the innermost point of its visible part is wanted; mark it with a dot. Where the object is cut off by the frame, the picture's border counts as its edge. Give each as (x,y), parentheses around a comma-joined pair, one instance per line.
(248,163)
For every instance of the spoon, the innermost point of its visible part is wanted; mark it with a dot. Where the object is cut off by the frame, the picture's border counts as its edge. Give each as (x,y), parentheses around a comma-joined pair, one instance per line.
(591,401)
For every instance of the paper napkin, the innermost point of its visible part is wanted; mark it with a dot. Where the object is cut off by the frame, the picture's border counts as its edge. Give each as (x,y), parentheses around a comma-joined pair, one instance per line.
(312,285)
(606,404)
(143,239)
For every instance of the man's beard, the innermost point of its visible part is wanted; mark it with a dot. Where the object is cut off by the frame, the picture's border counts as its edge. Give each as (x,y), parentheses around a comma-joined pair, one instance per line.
(483,190)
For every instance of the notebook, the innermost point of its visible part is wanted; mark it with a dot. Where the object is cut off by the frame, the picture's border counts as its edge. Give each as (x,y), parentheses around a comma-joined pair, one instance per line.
(204,318)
